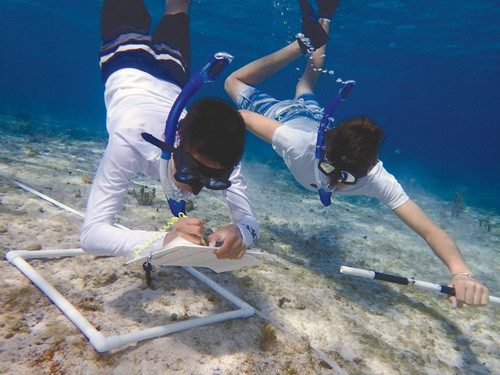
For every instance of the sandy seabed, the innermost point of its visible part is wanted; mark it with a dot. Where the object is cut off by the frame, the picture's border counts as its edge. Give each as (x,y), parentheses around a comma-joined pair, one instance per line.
(365,327)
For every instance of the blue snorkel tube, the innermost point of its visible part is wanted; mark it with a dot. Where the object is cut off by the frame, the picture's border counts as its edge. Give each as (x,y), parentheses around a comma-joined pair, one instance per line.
(207,74)
(325,192)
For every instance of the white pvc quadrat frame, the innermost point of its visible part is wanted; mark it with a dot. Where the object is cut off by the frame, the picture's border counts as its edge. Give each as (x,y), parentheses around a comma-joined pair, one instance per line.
(99,341)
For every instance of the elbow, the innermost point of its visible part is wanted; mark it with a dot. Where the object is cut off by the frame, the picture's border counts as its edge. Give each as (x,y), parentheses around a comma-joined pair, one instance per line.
(88,239)
(85,238)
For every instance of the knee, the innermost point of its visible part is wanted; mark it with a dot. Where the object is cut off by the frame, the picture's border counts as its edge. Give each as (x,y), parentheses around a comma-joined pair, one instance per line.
(230,85)
(177,6)
(229,82)
(303,88)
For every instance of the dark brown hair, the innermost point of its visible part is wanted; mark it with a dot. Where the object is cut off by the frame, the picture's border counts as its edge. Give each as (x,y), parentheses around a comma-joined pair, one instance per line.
(214,129)
(353,145)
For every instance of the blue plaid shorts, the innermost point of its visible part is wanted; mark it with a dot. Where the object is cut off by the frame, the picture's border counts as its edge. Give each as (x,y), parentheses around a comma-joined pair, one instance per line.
(302,106)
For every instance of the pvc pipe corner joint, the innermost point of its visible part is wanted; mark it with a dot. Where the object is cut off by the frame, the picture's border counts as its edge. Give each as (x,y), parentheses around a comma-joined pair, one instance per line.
(102,343)
(11,255)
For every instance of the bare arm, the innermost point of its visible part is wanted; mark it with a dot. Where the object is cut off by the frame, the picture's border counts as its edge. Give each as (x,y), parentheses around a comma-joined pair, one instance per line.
(468,289)
(439,241)
(259,125)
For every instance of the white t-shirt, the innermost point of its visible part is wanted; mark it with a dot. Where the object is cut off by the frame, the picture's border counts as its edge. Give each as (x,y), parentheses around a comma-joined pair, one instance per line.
(138,102)
(295,142)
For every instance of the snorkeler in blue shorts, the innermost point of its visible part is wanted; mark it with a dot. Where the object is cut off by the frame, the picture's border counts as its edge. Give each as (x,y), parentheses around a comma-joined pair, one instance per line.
(143,74)
(348,163)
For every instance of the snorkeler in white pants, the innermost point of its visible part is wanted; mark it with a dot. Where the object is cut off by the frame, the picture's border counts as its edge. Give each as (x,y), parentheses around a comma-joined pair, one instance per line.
(340,160)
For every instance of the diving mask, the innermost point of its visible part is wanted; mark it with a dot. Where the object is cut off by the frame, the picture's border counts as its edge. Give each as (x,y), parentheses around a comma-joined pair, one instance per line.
(328,169)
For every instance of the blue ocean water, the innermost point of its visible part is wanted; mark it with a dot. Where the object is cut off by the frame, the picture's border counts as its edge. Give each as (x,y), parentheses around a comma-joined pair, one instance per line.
(427,71)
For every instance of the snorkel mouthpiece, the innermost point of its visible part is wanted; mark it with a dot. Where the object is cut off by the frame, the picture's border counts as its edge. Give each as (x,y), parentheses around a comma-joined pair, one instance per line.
(212,70)
(207,74)
(155,141)
(324,192)
(176,207)
(325,197)
(346,89)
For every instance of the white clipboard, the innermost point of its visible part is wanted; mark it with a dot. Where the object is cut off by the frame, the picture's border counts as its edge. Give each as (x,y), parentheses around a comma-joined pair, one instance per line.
(181,252)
